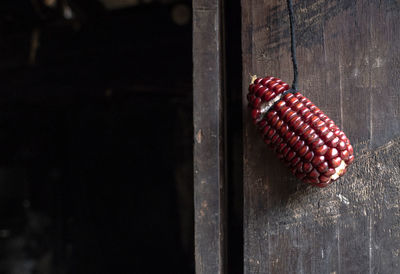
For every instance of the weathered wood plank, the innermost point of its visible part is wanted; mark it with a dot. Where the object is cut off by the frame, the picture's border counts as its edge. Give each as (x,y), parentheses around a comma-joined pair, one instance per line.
(349,66)
(209,133)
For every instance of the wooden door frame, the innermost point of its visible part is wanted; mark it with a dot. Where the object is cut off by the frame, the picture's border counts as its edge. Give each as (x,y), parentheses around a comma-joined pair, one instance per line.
(209,118)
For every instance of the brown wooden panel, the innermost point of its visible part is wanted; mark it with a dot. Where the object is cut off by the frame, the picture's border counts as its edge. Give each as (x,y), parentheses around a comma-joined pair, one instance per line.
(348,54)
(209,133)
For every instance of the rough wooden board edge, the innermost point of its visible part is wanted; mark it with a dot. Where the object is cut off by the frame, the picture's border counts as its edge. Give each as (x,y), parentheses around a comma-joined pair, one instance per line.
(209,135)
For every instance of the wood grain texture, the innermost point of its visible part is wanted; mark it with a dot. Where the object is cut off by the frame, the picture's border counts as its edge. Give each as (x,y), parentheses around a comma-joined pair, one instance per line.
(209,135)
(348,54)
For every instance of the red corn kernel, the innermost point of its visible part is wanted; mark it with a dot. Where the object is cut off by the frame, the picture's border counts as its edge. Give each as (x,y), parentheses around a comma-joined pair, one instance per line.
(307,103)
(295,161)
(297,106)
(286,151)
(280,104)
(335,162)
(332,153)
(289,115)
(283,111)
(323,167)
(279,124)
(286,86)
(303,151)
(341,145)
(281,147)
(261,124)
(256,102)
(261,91)
(328,137)
(321,150)
(299,166)
(310,138)
(250,98)
(350,149)
(292,101)
(255,113)
(317,160)
(266,80)
(269,95)
(308,157)
(319,124)
(293,140)
(298,145)
(330,172)
(304,111)
(314,181)
(308,116)
(279,141)
(300,175)
(283,129)
(298,95)
(279,89)
(251,88)
(295,122)
(257,80)
(334,142)
(324,179)
(344,155)
(288,135)
(314,173)
(315,120)
(302,129)
(270,115)
(287,96)
(316,144)
(307,167)
(274,120)
(275,139)
(272,84)
(271,133)
(308,132)
(323,130)
(266,129)
(297,125)
(257,87)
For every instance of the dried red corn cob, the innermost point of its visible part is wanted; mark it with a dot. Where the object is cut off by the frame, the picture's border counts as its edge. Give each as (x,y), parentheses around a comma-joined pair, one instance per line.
(317,151)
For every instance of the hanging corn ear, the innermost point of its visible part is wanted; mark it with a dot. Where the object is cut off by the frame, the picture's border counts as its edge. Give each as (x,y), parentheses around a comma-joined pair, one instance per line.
(310,143)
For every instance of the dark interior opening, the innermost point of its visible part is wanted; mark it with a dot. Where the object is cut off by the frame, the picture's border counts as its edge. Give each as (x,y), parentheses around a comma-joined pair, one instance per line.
(96,137)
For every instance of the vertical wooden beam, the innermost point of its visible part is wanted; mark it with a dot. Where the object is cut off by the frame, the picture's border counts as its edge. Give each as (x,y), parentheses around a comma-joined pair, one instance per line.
(209,135)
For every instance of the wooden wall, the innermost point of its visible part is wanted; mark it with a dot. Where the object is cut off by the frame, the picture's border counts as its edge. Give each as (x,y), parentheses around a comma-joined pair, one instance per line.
(349,64)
